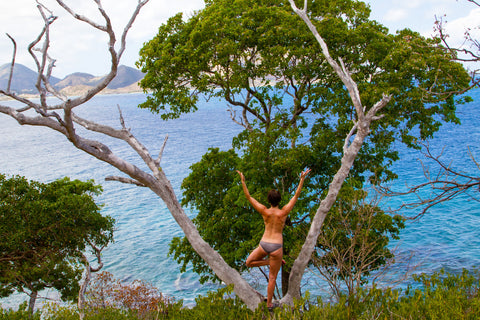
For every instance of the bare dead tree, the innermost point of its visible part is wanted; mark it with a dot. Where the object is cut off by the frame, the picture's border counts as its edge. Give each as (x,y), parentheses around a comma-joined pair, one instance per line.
(89,269)
(353,253)
(62,118)
(352,145)
(444,184)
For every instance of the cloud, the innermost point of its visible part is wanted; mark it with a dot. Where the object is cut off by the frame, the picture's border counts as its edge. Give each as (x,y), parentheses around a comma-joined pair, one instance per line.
(395,15)
(457,27)
(77,46)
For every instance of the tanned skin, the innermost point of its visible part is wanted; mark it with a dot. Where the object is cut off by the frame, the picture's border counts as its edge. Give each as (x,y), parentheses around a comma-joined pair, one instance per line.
(274,219)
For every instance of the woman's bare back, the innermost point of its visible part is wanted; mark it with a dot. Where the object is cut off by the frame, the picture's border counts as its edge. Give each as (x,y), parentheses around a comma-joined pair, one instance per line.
(274,219)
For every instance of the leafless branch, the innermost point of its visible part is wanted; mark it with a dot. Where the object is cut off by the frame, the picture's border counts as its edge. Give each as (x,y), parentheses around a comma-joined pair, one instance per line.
(349,136)
(160,154)
(124,180)
(13,62)
(445,185)
(88,275)
(474,2)
(461,53)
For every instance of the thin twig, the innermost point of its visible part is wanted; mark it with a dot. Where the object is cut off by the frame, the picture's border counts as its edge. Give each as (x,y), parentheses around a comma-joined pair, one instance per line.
(124,180)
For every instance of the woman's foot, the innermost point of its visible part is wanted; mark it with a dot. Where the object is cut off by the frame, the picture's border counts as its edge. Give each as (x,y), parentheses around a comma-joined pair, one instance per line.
(273,305)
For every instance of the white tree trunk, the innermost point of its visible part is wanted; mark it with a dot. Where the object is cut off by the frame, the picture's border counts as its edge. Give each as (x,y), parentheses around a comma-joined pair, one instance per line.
(308,247)
(350,152)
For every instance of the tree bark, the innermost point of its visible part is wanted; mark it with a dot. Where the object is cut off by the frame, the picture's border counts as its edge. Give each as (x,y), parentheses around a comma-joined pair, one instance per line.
(308,247)
(31,302)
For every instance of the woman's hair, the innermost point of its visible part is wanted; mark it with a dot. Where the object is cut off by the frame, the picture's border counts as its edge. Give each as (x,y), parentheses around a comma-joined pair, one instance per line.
(274,197)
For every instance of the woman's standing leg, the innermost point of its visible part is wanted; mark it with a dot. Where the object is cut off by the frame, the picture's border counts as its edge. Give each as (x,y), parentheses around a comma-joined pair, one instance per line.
(275,264)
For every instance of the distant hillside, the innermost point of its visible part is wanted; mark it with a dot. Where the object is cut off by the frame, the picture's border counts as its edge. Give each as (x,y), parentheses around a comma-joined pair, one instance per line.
(126,76)
(76,79)
(24,79)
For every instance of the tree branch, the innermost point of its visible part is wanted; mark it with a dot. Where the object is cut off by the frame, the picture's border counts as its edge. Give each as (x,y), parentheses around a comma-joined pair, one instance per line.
(124,180)
(444,186)
(160,154)
(13,62)
(341,69)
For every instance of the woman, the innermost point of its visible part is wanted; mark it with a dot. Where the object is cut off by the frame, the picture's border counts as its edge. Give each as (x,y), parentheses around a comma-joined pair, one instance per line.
(271,244)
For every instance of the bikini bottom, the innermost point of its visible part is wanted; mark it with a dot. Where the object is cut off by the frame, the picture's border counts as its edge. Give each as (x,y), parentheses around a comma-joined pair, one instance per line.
(269,247)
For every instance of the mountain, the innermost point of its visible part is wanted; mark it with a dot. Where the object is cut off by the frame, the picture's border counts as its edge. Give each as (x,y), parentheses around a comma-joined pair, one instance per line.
(126,76)
(77,79)
(24,79)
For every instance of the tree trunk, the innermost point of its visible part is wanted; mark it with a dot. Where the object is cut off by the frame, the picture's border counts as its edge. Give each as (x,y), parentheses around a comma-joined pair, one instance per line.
(308,247)
(285,277)
(31,302)
(81,294)
(227,274)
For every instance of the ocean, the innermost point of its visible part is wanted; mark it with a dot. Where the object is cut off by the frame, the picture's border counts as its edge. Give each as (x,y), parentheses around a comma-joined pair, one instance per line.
(446,237)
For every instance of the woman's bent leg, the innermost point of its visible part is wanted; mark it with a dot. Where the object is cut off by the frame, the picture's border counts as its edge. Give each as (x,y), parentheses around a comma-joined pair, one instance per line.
(256,258)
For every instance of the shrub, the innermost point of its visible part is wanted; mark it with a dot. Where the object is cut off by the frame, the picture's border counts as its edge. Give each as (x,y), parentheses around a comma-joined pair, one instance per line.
(20,314)
(138,297)
(438,296)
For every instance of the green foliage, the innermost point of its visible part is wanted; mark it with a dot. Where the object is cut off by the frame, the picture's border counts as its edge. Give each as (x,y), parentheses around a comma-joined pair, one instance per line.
(438,296)
(21,314)
(215,305)
(260,58)
(45,228)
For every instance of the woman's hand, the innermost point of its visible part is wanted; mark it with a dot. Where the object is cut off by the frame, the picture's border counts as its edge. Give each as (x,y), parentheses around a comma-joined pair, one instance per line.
(305,173)
(241,176)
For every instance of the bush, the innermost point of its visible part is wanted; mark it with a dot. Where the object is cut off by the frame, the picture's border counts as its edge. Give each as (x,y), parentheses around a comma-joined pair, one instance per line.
(438,296)
(21,314)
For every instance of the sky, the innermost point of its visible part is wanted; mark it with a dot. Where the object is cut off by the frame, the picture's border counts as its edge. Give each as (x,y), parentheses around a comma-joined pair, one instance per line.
(79,48)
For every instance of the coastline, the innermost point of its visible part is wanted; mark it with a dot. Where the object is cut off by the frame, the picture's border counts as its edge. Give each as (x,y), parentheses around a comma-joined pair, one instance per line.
(75,91)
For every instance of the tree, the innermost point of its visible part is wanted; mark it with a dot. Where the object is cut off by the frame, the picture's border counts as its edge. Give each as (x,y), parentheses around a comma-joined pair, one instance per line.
(45,229)
(260,59)
(354,242)
(360,119)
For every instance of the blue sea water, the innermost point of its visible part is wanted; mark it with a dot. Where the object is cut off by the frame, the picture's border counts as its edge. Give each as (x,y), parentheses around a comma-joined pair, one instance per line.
(446,237)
